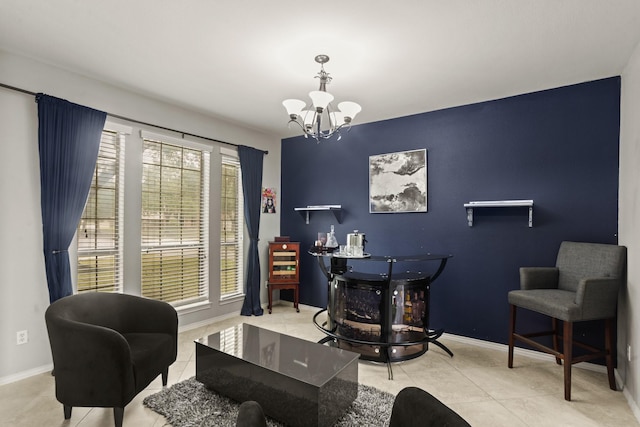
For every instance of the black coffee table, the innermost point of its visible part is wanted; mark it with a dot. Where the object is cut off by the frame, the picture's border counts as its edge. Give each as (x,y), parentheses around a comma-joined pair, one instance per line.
(297,382)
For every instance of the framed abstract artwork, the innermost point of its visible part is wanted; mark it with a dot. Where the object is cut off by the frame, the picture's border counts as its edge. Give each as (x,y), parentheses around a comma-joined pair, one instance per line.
(398,182)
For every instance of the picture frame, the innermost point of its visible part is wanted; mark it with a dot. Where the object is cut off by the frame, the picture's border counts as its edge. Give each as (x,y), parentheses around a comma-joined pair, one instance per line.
(268,205)
(398,182)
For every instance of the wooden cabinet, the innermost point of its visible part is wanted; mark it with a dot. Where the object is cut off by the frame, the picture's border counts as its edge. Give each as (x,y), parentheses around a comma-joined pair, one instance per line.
(284,272)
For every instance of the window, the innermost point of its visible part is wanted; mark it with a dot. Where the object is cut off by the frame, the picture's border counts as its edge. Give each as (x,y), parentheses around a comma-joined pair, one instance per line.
(231,229)
(175,222)
(99,233)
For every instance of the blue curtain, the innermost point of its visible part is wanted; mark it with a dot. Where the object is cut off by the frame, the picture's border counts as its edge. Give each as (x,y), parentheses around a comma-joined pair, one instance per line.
(251,165)
(68,141)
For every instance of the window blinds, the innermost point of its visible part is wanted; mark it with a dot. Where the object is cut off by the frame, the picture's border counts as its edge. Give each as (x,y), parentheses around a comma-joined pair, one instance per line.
(99,230)
(174,241)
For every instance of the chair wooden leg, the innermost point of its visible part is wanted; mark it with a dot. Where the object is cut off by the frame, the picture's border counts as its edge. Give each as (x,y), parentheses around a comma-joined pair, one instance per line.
(118,415)
(512,330)
(567,348)
(67,411)
(608,345)
(554,326)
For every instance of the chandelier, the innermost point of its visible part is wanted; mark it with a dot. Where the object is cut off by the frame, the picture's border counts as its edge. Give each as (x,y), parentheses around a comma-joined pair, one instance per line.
(321,120)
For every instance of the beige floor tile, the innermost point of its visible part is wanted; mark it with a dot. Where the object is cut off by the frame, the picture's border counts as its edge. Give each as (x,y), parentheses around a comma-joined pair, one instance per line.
(475,382)
(449,386)
(612,412)
(379,378)
(487,414)
(548,411)
(189,371)
(504,383)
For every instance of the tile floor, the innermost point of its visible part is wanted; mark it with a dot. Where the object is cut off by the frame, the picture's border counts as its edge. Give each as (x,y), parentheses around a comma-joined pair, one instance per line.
(475,382)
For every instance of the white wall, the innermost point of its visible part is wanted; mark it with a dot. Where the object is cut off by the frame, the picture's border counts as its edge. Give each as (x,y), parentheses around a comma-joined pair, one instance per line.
(629,228)
(23,289)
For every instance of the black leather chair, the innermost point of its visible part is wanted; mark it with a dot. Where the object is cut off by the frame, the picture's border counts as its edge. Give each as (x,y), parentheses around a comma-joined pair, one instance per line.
(414,407)
(582,286)
(108,347)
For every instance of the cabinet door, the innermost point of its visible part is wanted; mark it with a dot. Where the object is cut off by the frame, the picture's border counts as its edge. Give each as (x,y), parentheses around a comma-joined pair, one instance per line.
(283,262)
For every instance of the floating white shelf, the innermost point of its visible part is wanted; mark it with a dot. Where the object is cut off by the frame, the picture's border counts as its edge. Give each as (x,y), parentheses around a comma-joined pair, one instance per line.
(498,204)
(336,209)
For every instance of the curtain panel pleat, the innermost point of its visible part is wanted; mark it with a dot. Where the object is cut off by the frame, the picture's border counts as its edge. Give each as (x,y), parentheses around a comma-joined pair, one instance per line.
(251,166)
(68,142)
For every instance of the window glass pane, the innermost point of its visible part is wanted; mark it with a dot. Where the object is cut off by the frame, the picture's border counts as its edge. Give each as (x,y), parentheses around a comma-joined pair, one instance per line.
(106,234)
(171,155)
(192,159)
(151,178)
(98,273)
(105,203)
(106,172)
(150,153)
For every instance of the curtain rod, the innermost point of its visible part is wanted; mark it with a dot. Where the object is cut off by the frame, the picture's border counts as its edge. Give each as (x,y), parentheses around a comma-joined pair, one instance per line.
(28,92)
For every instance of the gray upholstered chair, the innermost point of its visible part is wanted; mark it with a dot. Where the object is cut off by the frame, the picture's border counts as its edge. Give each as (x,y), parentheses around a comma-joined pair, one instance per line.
(414,407)
(108,347)
(582,286)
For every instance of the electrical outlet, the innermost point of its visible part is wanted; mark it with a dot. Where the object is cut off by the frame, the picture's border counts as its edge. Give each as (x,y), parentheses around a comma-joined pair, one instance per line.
(22,337)
(629,352)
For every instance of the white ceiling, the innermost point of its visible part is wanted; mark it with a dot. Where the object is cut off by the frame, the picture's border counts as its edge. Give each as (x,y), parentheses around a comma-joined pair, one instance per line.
(238,59)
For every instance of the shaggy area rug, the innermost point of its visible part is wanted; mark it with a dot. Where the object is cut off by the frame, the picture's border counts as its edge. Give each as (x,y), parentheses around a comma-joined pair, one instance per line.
(191,404)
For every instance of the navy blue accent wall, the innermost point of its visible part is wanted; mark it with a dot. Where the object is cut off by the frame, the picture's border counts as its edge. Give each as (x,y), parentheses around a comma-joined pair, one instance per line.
(558,147)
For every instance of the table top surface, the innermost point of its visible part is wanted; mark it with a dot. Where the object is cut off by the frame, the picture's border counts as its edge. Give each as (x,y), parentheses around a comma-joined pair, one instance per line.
(303,360)
(389,258)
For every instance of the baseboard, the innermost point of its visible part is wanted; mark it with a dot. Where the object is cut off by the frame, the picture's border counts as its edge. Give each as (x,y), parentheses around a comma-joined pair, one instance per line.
(206,322)
(632,404)
(210,321)
(524,352)
(25,374)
